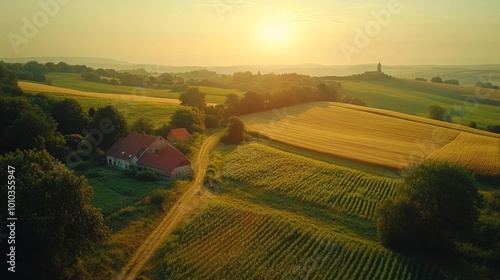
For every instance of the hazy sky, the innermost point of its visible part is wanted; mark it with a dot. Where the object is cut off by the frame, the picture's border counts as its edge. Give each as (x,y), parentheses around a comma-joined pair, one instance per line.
(250,32)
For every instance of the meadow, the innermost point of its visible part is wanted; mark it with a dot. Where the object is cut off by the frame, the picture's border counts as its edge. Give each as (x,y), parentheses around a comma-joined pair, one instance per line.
(357,133)
(158,110)
(465,103)
(75,82)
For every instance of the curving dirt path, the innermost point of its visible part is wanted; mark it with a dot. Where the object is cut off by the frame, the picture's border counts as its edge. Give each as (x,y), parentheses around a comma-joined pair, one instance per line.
(176,214)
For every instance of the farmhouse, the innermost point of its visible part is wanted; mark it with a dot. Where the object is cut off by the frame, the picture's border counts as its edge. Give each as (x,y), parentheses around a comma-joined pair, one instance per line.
(148,151)
(177,135)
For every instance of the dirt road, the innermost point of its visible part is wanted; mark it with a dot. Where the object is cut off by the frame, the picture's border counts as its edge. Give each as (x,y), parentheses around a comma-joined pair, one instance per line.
(176,214)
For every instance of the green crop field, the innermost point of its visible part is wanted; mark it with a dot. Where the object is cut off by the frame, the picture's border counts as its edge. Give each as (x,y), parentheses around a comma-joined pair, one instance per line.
(74,81)
(320,183)
(413,97)
(231,241)
(263,224)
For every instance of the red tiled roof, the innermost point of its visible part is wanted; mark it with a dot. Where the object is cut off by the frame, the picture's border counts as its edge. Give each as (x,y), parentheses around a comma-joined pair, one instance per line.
(180,134)
(166,159)
(132,145)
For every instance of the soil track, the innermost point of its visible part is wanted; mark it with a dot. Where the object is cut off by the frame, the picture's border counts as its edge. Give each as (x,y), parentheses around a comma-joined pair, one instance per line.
(177,213)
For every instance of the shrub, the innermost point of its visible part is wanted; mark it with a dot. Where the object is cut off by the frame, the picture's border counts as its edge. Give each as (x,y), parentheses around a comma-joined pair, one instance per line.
(146,175)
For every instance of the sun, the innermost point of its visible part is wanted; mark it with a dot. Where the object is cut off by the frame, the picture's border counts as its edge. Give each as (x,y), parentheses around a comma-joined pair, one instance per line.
(275,31)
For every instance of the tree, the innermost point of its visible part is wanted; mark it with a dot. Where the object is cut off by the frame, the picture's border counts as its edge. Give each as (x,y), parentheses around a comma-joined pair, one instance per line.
(143,125)
(193,97)
(436,112)
(495,128)
(33,129)
(473,124)
(252,102)
(37,70)
(91,77)
(189,118)
(11,109)
(111,123)
(232,103)
(452,82)
(437,203)
(326,93)
(57,223)
(437,80)
(235,132)
(70,116)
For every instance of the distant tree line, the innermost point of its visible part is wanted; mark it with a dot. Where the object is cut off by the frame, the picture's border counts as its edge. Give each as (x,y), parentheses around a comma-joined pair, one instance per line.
(486,85)
(439,80)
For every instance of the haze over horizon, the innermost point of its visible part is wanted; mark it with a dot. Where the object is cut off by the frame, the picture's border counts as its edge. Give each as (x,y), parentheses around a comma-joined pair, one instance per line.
(240,32)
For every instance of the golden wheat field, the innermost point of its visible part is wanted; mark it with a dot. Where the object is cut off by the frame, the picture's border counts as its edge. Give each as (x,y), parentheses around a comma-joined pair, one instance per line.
(478,153)
(34,87)
(358,133)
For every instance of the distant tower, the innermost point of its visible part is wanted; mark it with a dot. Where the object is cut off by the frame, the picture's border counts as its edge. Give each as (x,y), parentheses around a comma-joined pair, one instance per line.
(379,67)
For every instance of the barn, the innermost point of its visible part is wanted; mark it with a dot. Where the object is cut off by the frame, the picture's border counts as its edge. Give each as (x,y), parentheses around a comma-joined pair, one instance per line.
(151,152)
(178,135)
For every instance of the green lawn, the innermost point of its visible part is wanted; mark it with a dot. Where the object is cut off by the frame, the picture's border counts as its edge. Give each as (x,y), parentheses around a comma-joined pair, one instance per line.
(74,81)
(113,190)
(413,97)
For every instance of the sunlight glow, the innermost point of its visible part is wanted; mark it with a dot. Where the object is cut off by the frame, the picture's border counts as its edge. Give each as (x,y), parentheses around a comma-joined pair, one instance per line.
(275,31)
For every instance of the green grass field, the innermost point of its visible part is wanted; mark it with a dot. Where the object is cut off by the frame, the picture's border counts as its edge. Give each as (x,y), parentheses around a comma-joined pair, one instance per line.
(158,113)
(413,97)
(74,81)
(113,190)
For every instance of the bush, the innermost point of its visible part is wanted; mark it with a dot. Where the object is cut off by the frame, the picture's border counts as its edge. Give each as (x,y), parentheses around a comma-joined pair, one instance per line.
(437,80)
(146,175)
(421,79)
(157,198)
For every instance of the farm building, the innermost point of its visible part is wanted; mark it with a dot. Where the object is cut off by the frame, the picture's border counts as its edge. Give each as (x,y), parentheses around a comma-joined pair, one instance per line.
(148,151)
(177,135)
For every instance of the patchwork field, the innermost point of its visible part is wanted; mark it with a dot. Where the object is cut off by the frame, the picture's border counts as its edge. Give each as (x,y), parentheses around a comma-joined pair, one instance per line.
(475,152)
(465,103)
(75,82)
(363,134)
(261,224)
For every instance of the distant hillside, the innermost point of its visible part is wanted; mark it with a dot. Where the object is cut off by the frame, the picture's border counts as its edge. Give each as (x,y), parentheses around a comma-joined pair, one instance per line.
(465,74)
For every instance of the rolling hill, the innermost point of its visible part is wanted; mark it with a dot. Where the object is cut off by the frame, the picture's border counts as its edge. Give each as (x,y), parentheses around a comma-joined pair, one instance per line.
(374,136)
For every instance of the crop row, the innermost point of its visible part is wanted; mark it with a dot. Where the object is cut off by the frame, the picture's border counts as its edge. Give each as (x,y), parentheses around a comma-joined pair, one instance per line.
(230,242)
(309,180)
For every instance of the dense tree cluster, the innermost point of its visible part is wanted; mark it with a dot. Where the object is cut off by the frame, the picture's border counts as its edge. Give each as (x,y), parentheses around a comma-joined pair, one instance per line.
(438,203)
(57,223)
